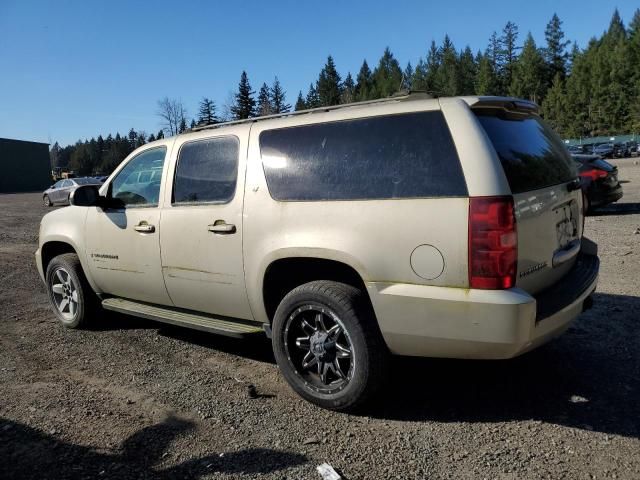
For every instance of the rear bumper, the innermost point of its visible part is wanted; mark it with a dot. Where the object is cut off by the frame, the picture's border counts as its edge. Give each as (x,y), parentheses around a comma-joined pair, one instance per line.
(601,197)
(432,321)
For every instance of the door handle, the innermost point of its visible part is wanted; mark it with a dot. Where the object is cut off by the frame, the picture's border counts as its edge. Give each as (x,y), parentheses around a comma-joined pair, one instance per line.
(220,226)
(144,227)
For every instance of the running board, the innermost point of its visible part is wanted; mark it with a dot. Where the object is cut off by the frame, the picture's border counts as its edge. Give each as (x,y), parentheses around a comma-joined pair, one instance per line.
(183,318)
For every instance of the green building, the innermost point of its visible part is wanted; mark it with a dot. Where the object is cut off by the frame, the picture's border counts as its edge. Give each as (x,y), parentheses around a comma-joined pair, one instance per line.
(25,166)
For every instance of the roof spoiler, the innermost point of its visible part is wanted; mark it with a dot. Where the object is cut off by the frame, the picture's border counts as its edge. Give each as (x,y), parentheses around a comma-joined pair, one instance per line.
(507,103)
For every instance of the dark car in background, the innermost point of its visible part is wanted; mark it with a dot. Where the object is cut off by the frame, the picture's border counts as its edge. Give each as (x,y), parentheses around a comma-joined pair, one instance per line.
(59,192)
(624,149)
(600,183)
(605,150)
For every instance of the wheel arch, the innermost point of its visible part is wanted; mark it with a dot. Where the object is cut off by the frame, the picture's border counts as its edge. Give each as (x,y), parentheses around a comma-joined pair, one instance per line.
(58,246)
(286,273)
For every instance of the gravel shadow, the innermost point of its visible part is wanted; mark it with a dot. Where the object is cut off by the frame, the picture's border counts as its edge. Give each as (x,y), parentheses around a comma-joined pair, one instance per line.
(30,453)
(588,378)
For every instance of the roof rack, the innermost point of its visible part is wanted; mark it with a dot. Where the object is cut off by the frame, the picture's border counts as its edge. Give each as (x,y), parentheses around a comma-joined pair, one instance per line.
(399,96)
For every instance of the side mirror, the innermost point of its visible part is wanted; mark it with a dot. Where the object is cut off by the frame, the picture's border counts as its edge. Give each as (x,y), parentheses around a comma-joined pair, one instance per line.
(86,196)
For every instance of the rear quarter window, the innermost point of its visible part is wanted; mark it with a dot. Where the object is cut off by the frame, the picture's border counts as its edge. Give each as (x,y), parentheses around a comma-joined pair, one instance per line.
(531,153)
(387,157)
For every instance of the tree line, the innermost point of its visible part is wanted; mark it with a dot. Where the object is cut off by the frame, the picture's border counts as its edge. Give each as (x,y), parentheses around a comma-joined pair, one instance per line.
(582,91)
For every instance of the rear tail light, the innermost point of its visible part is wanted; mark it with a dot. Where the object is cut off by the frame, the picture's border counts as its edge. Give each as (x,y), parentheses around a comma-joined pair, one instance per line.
(594,174)
(493,243)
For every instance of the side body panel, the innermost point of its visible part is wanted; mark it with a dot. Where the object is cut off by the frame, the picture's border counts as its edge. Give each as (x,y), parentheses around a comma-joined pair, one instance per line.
(375,237)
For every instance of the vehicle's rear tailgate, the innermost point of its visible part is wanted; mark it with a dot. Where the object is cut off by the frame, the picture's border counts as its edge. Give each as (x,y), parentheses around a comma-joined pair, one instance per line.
(549,229)
(542,177)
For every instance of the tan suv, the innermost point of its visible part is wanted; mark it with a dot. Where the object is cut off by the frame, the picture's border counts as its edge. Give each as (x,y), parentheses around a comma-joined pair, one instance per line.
(446,227)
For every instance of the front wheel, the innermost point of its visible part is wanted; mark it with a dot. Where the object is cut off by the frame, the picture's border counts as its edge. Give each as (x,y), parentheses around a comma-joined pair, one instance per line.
(47,201)
(73,301)
(328,345)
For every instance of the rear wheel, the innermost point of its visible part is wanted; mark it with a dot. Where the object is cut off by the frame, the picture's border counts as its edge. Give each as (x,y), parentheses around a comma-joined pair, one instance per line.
(328,345)
(47,201)
(73,301)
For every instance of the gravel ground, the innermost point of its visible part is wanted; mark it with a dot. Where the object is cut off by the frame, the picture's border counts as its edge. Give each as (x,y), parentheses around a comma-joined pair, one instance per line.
(135,399)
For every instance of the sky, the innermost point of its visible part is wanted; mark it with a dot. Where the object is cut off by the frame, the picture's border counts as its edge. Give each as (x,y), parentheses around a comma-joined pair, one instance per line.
(71,70)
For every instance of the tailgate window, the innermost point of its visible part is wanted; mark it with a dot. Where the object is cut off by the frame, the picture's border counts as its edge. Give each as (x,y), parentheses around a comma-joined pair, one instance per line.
(532,155)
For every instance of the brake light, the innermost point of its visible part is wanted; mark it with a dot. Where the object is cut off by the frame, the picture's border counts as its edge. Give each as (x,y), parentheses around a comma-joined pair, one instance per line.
(493,243)
(594,174)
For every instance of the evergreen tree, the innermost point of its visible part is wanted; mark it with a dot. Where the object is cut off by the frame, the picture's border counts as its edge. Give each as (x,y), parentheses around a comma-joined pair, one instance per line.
(387,76)
(152,138)
(529,73)
(348,89)
(133,138)
(616,31)
(278,98)
(207,112)
(554,107)
(486,80)
(364,85)
(193,124)
(493,52)
(419,78)
(575,52)
(313,99)
(264,101)
(633,55)
(555,54)
(328,86)
(300,103)
(141,140)
(615,74)
(183,125)
(160,135)
(244,105)
(467,71)
(434,59)
(447,74)
(508,54)
(407,77)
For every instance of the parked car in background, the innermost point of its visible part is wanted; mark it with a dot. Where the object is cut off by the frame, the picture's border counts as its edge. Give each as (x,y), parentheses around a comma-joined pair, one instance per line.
(622,149)
(576,149)
(59,192)
(605,150)
(599,181)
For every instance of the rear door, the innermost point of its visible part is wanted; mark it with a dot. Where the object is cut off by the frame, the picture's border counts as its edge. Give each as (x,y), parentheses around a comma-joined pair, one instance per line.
(201,235)
(548,206)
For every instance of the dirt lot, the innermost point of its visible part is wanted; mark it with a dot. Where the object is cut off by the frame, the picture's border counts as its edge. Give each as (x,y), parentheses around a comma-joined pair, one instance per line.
(135,399)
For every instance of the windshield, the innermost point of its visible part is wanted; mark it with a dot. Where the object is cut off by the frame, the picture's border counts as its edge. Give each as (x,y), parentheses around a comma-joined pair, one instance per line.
(532,155)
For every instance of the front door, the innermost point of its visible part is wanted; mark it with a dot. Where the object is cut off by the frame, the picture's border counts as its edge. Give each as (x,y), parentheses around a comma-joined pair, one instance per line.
(201,232)
(123,242)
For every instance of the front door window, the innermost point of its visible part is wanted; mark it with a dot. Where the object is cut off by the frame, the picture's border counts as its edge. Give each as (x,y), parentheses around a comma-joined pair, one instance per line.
(138,183)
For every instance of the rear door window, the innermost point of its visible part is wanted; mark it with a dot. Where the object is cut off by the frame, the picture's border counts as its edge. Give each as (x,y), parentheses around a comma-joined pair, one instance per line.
(395,156)
(207,171)
(531,153)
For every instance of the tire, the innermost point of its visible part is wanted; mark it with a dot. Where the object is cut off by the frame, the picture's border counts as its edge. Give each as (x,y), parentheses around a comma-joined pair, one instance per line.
(346,339)
(47,201)
(71,297)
